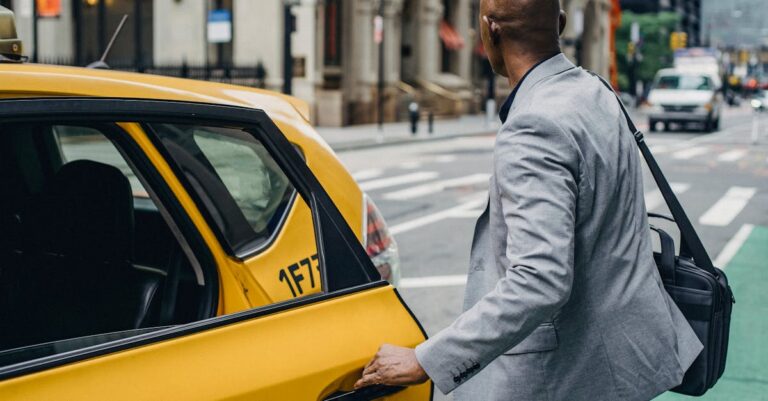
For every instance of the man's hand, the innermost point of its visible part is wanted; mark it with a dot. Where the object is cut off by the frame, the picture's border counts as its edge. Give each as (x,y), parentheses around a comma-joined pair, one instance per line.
(393,366)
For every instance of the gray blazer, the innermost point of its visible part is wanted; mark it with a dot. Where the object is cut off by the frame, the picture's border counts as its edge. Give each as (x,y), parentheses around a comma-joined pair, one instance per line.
(563,300)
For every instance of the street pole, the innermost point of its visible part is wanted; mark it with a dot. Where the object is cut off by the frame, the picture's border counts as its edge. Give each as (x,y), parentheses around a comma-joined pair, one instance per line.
(490,100)
(288,24)
(35,42)
(220,45)
(379,25)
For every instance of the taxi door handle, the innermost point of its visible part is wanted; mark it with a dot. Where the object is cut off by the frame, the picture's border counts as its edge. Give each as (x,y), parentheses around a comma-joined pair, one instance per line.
(365,393)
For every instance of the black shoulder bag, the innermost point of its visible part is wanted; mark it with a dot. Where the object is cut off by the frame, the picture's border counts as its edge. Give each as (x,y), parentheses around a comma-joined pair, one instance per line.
(698,288)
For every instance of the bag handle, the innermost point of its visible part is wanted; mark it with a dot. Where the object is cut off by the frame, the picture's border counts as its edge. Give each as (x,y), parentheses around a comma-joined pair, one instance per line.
(691,245)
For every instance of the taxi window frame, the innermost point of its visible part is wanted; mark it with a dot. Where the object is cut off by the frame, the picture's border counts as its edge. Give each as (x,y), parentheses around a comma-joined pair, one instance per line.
(328,222)
(243,251)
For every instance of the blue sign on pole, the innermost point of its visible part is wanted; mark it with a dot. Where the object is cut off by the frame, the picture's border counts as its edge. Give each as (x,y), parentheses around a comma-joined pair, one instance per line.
(219,26)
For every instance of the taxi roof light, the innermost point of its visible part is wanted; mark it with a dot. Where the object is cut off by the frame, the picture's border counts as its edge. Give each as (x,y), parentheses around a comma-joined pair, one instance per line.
(10,44)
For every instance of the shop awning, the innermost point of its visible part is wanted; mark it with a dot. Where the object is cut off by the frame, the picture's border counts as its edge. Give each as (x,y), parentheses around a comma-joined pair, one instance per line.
(450,37)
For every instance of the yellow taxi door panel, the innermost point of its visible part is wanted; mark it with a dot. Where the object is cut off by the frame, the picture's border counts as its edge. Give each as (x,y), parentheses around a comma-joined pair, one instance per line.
(304,353)
(309,348)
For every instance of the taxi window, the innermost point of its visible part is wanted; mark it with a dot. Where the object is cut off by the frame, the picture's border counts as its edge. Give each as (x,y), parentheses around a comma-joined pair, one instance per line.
(244,191)
(85,143)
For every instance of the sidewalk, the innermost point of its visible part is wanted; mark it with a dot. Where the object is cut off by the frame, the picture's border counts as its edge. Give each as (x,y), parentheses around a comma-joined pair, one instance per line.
(368,135)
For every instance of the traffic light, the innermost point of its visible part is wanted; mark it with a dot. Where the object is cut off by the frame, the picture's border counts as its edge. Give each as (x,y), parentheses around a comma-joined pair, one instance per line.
(678,40)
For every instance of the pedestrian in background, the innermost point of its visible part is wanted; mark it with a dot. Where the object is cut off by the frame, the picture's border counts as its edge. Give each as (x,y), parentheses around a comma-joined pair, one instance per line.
(563,299)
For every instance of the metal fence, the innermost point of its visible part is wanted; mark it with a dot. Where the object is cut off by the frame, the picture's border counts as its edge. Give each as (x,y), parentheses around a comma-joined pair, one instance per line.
(254,75)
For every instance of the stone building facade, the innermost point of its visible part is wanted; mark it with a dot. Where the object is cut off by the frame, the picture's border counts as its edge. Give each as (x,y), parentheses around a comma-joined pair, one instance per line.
(431,50)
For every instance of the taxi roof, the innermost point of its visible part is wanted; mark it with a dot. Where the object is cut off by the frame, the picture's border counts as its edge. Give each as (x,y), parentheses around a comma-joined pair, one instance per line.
(39,80)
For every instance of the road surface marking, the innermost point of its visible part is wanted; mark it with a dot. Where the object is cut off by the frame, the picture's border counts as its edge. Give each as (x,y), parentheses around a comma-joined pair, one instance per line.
(728,207)
(441,215)
(397,180)
(363,175)
(659,149)
(467,214)
(445,159)
(732,156)
(433,281)
(410,165)
(733,246)
(690,153)
(437,186)
(654,198)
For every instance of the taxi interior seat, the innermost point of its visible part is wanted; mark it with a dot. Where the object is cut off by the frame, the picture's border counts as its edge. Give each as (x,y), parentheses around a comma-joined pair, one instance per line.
(79,276)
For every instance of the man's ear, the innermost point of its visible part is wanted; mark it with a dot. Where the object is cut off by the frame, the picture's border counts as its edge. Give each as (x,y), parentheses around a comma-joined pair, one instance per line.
(494,30)
(563,21)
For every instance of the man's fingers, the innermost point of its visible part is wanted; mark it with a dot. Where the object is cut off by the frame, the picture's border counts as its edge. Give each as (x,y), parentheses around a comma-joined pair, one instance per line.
(367,365)
(367,380)
(371,367)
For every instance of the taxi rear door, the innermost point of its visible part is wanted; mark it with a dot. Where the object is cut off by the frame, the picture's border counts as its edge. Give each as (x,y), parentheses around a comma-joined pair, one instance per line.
(310,348)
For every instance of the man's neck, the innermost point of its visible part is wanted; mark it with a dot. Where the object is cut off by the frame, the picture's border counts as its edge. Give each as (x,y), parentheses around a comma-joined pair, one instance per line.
(518,62)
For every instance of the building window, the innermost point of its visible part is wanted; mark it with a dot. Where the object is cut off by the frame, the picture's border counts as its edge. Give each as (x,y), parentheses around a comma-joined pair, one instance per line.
(332,37)
(97,20)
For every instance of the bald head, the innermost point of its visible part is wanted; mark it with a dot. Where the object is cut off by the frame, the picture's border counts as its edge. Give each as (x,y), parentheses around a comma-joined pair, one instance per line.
(530,21)
(517,33)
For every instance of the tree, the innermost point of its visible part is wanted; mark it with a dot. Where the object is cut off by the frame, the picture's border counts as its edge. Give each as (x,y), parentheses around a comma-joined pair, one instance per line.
(653,47)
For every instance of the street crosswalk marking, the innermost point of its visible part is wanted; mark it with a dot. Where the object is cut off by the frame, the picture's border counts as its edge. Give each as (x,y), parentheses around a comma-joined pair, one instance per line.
(732,156)
(397,180)
(480,199)
(733,246)
(433,281)
(367,174)
(690,153)
(437,186)
(445,158)
(467,214)
(410,165)
(728,207)
(654,198)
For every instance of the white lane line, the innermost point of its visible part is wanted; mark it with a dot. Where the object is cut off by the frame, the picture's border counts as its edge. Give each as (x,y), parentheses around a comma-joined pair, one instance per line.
(732,156)
(467,214)
(690,153)
(437,186)
(728,207)
(397,180)
(658,149)
(733,246)
(410,165)
(441,215)
(367,174)
(654,198)
(433,281)
(444,158)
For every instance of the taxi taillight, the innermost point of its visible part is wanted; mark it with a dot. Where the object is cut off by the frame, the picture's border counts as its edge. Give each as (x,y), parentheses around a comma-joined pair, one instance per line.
(379,244)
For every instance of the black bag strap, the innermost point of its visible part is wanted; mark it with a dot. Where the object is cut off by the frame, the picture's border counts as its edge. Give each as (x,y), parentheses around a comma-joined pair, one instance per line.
(691,245)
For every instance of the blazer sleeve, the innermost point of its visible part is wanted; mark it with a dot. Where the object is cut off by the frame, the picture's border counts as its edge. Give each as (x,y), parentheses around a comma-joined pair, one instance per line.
(537,168)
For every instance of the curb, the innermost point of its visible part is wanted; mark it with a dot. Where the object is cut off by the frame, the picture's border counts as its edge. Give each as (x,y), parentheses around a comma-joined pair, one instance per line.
(370,144)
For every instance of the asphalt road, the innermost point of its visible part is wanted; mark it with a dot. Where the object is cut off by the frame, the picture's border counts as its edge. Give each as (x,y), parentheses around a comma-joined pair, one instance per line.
(432,193)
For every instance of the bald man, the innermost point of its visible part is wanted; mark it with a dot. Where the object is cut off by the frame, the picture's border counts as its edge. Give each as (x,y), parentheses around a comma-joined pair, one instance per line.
(563,299)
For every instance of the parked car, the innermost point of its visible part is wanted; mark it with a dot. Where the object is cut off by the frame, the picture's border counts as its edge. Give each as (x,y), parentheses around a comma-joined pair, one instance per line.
(685,97)
(174,239)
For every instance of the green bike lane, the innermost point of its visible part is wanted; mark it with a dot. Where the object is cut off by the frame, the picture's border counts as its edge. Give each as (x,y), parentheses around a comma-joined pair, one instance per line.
(746,372)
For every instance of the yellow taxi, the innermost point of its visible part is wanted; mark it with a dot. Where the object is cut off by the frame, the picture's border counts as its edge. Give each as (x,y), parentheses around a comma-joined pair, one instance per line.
(171,239)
